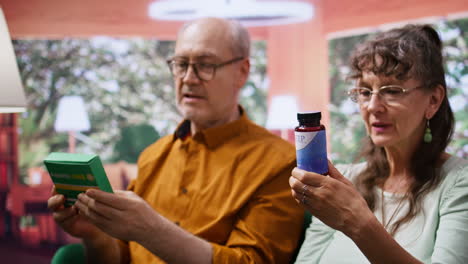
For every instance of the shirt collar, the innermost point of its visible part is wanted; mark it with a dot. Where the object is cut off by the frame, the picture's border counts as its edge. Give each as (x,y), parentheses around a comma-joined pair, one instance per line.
(215,136)
(183,130)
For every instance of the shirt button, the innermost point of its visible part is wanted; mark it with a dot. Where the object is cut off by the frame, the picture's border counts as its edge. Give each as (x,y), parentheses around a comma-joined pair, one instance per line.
(177,223)
(184,191)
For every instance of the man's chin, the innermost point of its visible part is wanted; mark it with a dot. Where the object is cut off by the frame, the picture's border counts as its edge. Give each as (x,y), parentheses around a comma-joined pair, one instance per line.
(188,111)
(194,115)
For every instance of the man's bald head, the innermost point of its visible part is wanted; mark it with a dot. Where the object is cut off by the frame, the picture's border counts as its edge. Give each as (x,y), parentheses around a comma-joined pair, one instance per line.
(237,34)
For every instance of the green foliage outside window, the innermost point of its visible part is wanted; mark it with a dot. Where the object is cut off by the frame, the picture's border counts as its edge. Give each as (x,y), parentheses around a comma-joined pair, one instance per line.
(133,140)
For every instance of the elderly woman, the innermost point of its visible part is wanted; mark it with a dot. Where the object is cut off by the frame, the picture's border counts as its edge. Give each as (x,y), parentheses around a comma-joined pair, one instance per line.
(408,202)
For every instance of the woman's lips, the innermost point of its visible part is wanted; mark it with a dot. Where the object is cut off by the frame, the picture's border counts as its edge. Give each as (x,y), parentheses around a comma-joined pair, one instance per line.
(381,127)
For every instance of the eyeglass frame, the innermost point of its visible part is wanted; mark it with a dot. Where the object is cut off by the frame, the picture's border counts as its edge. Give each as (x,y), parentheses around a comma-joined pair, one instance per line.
(404,91)
(195,67)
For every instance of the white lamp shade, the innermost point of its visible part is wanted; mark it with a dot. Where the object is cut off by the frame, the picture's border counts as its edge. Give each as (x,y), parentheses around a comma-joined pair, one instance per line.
(71,115)
(12,97)
(282,113)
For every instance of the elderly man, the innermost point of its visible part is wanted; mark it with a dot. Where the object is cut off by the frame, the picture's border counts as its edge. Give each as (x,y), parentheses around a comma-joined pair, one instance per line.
(216,191)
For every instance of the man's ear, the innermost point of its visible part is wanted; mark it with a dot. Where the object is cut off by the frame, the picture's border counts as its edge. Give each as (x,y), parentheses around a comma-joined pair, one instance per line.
(436,97)
(244,72)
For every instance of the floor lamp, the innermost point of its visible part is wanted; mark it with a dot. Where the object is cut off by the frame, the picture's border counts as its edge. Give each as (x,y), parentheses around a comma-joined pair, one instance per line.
(71,117)
(282,114)
(12,100)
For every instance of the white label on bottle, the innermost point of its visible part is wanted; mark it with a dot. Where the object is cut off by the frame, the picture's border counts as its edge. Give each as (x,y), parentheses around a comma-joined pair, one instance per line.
(303,139)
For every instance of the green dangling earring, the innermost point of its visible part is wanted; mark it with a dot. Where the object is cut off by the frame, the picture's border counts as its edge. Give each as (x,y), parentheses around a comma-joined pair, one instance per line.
(427,133)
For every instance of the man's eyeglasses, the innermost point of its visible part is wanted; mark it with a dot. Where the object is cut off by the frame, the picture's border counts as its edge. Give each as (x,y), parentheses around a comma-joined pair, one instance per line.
(204,71)
(388,93)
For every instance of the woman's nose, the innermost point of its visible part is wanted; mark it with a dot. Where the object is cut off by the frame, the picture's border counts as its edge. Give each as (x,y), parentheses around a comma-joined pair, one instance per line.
(375,103)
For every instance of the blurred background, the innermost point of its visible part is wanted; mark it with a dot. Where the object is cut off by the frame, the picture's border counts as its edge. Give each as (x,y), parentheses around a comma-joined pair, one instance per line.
(95,80)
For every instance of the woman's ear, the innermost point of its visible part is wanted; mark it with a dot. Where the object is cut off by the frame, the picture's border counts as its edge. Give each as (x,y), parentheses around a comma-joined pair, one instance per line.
(436,97)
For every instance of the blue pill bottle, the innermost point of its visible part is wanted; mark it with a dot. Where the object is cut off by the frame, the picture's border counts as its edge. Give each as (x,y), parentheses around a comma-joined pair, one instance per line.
(311,143)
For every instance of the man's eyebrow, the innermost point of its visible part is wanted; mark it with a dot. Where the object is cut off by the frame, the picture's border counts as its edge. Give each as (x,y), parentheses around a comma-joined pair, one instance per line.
(206,55)
(177,58)
(196,57)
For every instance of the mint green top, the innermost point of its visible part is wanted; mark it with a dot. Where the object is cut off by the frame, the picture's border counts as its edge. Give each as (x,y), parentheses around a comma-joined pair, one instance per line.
(439,234)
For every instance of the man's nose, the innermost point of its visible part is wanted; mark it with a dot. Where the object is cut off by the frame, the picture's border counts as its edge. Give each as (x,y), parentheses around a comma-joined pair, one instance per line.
(191,74)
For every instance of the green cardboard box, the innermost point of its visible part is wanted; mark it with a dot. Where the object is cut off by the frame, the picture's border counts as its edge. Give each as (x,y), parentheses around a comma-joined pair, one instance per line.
(73,174)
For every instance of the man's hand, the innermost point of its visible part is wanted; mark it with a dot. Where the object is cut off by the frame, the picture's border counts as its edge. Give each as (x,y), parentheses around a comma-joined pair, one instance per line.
(126,216)
(123,214)
(69,219)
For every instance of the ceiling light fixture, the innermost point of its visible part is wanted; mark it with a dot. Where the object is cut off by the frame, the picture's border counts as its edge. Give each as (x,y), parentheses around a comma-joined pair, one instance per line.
(249,12)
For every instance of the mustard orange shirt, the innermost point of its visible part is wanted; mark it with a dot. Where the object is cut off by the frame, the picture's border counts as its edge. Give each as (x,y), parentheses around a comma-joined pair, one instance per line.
(227,185)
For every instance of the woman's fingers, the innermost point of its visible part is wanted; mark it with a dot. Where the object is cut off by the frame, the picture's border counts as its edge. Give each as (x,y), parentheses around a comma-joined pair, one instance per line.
(303,183)
(335,174)
(309,178)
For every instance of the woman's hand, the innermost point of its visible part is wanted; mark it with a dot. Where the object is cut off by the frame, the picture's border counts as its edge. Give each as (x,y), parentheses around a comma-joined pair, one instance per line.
(333,199)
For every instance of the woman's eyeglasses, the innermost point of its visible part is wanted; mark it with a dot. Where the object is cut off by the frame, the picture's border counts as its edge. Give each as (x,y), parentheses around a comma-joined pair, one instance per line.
(388,93)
